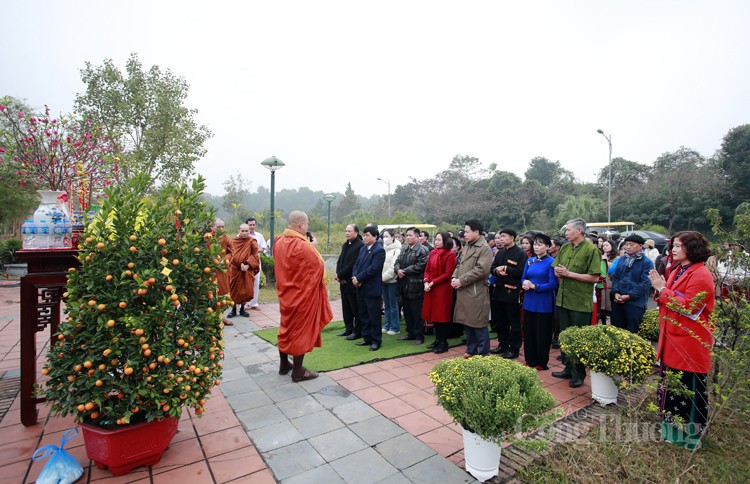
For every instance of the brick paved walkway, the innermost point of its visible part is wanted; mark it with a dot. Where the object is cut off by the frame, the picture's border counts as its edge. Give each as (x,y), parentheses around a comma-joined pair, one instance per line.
(259,427)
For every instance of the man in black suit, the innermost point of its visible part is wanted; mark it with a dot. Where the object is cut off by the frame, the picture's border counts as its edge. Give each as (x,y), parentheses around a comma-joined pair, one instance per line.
(368,279)
(505,304)
(344,266)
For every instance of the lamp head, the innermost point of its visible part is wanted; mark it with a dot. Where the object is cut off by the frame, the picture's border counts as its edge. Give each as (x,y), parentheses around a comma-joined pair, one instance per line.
(329,197)
(272,163)
(600,131)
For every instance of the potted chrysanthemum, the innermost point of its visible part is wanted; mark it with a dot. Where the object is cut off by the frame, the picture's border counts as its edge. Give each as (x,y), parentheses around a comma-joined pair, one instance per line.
(616,358)
(491,398)
(649,328)
(143,333)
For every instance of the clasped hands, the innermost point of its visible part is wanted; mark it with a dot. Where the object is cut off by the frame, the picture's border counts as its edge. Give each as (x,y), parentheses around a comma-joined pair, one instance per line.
(657,280)
(562,271)
(621,298)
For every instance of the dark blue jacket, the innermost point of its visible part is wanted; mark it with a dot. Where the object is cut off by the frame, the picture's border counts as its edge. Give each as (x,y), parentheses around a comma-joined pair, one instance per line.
(632,280)
(368,270)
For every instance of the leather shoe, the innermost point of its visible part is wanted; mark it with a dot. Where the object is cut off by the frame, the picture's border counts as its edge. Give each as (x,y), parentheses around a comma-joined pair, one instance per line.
(562,374)
(344,333)
(497,350)
(510,355)
(363,343)
(433,345)
(353,336)
(575,383)
(439,349)
(374,347)
(418,342)
(405,338)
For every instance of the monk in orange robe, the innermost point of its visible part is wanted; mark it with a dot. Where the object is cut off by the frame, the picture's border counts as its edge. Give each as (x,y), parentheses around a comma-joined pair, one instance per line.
(303,298)
(245,264)
(222,278)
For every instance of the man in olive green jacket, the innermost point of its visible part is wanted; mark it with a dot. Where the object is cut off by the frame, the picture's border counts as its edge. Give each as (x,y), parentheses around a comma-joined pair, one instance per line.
(577,267)
(472,296)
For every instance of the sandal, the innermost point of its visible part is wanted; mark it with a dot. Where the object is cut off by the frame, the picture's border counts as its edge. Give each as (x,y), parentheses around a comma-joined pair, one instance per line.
(284,371)
(309,375)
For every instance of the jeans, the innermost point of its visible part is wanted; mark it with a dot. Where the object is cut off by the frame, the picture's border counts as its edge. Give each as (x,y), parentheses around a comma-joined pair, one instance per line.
(627,316)
(477,341)
(390,300)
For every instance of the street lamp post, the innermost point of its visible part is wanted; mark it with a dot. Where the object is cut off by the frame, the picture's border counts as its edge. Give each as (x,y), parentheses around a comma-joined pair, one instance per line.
(329,197)
(609,177)
(388,182)
(272,164)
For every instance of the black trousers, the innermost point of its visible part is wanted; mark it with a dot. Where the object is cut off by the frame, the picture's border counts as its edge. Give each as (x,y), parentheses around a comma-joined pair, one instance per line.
(537,337)
(441,332)
(413,318)
(506,317)
(369,319)
(349,308)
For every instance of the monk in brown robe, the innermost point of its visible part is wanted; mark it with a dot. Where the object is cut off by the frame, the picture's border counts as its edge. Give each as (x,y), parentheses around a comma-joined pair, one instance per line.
(245,264)
(222,278)
(303,298)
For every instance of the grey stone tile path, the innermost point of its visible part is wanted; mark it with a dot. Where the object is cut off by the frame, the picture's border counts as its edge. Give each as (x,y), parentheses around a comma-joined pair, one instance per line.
(317,431)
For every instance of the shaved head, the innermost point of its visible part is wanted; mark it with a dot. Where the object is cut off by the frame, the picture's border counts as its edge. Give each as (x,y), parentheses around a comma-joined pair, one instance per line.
(298,221)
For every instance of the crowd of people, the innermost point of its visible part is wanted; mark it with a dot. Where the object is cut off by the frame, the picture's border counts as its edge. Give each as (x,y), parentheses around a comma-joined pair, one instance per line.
(526,289)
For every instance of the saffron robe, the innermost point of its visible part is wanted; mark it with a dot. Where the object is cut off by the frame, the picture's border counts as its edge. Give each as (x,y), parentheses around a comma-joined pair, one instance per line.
(303,298)
(244,251)
(222,278)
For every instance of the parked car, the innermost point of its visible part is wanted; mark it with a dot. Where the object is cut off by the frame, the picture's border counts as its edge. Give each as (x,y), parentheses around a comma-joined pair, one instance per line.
(660,240)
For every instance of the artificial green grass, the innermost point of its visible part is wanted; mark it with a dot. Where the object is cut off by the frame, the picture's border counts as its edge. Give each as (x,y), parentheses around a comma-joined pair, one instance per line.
(338,352)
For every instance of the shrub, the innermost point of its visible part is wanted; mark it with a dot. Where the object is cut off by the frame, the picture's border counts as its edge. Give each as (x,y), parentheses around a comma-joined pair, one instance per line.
(266,264)
(8,249)
(618,353)
(650,325)
(490,396)
(143,335)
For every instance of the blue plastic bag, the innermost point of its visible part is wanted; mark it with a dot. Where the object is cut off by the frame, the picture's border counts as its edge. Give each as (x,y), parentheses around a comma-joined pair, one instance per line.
(62,468)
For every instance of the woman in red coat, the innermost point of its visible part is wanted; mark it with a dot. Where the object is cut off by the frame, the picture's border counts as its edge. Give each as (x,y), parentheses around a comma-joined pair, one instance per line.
(686,300)
(438,293)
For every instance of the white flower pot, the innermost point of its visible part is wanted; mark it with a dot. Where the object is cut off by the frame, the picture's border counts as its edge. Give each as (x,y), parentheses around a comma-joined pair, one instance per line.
(603,388)
(482,457)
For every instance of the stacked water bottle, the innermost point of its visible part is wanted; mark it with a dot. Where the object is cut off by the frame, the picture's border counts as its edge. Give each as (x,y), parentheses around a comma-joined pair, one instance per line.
(40,233)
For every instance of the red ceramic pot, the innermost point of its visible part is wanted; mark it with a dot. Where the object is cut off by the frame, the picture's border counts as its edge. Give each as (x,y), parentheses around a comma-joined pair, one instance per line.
(128,447)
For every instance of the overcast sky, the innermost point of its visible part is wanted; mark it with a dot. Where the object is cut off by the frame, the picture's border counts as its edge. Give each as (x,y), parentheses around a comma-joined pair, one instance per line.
(352,91)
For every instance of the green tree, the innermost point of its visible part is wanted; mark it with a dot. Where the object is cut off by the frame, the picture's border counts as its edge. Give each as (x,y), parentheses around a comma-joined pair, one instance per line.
(465,166)
(543,170)
(237,188)
(348,204)
(675,182)
(581,206)
(629,182)
(145,112)
(734,160)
